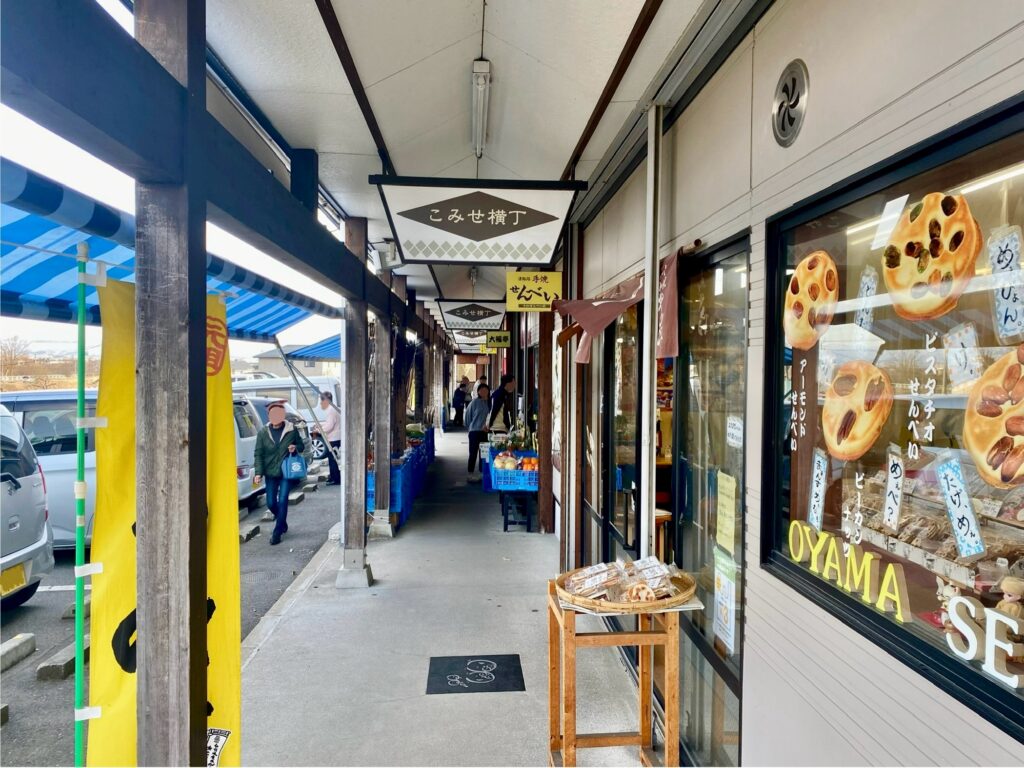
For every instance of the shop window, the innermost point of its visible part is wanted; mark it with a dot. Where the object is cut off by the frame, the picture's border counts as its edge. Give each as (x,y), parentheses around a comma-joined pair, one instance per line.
(896,421)
(625,414)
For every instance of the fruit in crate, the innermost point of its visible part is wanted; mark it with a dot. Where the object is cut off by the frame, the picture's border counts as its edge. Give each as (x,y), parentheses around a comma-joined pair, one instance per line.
(505,460)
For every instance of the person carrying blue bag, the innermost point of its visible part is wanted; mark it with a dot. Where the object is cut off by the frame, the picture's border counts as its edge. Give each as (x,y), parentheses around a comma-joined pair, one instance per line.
(279,461)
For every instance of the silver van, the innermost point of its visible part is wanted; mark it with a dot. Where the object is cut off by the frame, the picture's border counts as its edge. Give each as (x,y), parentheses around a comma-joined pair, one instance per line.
(26,541)
(48,418)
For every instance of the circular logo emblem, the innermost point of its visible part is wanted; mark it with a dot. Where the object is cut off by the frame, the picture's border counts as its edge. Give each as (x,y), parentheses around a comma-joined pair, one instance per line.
(790,104)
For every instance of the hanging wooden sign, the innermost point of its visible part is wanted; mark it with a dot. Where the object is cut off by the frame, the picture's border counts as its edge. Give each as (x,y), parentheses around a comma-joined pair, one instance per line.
(499,339)
(532,291)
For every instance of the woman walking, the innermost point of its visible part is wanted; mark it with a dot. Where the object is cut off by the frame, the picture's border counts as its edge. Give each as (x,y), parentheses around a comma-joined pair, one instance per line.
(274,442)
(476,425)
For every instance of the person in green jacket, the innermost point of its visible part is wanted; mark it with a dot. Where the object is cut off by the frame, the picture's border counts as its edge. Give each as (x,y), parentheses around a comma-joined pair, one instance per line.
(278,438)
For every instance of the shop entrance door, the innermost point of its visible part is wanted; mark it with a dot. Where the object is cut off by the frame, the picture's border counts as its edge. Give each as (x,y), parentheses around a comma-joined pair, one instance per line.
(710,404)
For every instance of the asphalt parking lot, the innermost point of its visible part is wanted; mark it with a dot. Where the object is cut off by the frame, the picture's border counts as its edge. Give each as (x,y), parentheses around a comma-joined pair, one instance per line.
(40,728)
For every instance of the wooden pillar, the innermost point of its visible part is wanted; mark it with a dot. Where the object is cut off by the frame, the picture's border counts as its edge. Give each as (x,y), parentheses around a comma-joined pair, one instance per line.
(381,526)
(305,181)
(354,571)
(545,491)
(170,347)
(420,364)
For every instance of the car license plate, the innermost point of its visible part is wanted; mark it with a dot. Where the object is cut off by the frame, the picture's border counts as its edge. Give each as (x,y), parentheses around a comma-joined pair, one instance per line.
(12,579)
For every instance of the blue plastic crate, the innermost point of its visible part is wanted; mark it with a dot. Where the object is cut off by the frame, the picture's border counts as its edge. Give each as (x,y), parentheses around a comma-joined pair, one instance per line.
(513,479)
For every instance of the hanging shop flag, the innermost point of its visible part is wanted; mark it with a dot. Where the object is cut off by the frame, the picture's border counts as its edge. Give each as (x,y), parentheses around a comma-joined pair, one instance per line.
(112,619)
(473,221)
(499,339)
(668,307)
(223,604)
(112,679)
(532,291)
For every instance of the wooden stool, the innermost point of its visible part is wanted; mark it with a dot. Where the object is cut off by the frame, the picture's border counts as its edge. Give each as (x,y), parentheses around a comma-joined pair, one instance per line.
(563,640)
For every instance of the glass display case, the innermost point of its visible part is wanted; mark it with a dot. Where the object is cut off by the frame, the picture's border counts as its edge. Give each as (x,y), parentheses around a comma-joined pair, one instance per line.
(899,405)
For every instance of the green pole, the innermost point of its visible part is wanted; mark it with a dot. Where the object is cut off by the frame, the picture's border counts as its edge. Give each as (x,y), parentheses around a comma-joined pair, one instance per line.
(83,255)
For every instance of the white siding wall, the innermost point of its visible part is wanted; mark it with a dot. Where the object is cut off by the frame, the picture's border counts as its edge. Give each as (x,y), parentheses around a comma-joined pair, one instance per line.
(882,77)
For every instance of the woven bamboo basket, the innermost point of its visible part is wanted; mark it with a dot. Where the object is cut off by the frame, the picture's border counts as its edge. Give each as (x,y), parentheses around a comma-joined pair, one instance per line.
(684,583)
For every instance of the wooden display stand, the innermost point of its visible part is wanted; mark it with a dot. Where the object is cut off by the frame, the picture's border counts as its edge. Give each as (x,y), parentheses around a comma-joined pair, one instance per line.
(563,640)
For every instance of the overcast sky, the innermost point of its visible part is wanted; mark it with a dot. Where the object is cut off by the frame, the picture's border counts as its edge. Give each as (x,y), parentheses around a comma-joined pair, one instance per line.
(29,144)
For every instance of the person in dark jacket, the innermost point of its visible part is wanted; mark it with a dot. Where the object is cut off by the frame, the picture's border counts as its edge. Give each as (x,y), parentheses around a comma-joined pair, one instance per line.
(503,402)
(274,441)
(476,425)
(459,401)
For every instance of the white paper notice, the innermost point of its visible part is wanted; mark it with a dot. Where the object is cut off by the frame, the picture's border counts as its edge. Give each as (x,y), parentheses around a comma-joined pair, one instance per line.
(969,543)
(819,477)
(725,600)
(893,492)
(734,431)
(868,288)
(1004,246)
(963,360)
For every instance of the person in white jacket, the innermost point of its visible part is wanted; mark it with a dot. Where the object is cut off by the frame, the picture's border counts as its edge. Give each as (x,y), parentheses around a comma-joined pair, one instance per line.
(332,426)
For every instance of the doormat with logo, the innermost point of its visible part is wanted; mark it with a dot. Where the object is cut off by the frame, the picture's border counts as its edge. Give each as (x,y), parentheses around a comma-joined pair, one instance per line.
(475,674)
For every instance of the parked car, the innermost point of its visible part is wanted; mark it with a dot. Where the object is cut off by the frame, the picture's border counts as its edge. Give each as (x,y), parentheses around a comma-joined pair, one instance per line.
(48,418)
(247,425)
(292,415)
(26,552)
(306,401)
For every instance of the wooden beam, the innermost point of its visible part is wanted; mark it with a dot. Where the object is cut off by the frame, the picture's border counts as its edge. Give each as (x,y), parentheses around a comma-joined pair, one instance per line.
(98,88)
(170,456)
(69,67)
(546,488)
(304,178)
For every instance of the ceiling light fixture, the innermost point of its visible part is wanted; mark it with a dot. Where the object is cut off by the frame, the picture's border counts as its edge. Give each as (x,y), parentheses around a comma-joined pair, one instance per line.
(481,98)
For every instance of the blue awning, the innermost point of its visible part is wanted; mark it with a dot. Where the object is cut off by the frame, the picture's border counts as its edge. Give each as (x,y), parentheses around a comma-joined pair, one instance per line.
(41,225)
(328,350)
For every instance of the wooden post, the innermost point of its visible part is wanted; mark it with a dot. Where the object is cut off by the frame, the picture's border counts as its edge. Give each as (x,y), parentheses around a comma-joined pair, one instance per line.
(382,388)
(170,395)
(545,489)
(420,364)
(355,571)
(569,688)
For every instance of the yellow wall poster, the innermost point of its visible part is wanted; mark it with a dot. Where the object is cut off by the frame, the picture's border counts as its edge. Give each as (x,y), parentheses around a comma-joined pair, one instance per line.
(112,679)
(499,339)
(532,291)
(725,531)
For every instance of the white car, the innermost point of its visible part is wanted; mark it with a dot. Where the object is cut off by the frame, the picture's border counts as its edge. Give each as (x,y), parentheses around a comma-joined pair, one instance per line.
(26,551)
(48,418)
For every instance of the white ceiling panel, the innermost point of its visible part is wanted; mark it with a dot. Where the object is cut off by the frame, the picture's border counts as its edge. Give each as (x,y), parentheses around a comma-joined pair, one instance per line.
(331,122)
(657,47)
(455,282)
(275,45)
(389,36)
(427,95)
(436,151)
(579,40)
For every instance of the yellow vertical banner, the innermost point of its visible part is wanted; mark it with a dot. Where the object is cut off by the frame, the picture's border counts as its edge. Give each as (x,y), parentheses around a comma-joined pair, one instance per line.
(112,667)
(112,619)
(223,631)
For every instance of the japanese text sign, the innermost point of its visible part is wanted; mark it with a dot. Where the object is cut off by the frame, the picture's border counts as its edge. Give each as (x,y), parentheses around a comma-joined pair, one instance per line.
(969,543)
(819,479)
(532,291)
(1004,256)
(499,339)
(893,491)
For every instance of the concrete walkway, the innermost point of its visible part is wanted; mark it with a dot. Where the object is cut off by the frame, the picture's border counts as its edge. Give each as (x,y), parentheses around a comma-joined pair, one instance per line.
(339,677)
